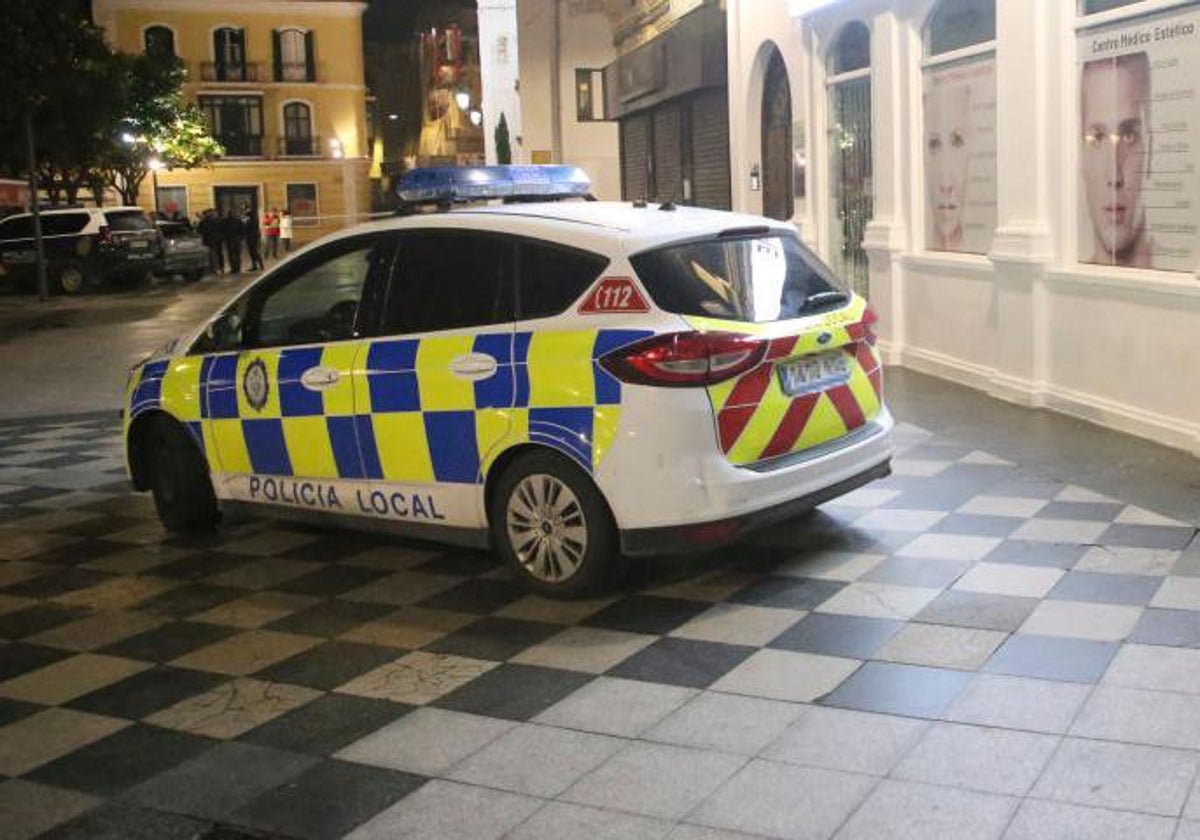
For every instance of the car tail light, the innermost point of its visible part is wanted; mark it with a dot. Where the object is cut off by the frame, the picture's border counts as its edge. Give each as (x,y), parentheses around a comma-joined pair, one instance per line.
(869,320)
(685,359)
(106,237)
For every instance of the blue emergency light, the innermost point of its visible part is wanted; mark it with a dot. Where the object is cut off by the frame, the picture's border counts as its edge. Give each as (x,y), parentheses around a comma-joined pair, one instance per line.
(453,184)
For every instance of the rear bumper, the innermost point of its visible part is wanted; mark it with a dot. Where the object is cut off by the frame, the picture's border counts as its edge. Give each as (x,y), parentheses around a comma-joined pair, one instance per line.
(707,535)
(187,261)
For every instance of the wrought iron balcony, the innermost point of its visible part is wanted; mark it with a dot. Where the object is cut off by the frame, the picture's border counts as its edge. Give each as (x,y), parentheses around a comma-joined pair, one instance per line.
(225,71)
(309,146)
(241,145)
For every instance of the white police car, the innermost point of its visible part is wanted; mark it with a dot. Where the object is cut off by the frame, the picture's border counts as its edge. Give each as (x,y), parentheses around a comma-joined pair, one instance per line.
(567,382)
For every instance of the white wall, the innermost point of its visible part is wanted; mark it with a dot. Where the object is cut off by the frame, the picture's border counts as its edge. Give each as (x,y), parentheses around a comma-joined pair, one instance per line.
(498,60)
(1025,322)
(584,40)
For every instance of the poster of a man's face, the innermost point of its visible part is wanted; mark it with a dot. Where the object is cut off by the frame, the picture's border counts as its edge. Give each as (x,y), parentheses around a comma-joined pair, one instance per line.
(947,149)
(1114,97)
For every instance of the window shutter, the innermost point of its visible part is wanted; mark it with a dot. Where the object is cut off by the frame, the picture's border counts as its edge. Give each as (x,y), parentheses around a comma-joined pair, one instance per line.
(278,47)
(218,54)
(310,67)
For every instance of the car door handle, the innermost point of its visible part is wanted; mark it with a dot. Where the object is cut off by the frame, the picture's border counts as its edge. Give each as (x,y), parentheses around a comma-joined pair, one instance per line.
(319,378)
(473,366)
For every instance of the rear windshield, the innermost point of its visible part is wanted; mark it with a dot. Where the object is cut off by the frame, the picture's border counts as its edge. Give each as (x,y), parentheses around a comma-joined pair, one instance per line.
(768,278)
(127,220)
(174,228)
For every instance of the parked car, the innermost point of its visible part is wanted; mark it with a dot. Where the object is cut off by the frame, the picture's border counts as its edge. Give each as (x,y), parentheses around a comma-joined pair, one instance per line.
(567,383)
(84,245)
(183,251)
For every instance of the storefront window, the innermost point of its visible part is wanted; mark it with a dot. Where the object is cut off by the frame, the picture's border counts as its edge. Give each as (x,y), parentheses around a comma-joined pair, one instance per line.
(959,138)
(1139,196)
(853,196)
(853,49)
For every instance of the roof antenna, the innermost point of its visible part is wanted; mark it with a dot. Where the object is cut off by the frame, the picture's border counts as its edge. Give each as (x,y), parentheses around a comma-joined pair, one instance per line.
(669,204)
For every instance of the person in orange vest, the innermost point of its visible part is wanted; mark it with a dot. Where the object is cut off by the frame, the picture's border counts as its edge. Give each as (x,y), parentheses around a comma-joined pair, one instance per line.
(271,231)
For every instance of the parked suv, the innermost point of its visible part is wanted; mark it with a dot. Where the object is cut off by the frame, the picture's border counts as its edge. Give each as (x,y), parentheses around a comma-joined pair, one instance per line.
(83,245)
(184,252)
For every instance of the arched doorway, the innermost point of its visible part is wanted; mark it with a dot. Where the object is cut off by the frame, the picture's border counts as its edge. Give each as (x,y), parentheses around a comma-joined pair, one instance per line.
(850,152)
(777,140)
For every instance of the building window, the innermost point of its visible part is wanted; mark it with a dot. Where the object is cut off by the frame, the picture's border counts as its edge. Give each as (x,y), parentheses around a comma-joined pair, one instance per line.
(589,95)
(160,41)
(229,57)
(298,138)
(294,56)
(1092,7)
(959,138)
(852,50)
(302,204)
(236,122)
(1139,195)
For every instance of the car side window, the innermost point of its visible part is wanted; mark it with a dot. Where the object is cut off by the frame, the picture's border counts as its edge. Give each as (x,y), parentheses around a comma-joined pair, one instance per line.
(552,277)
(316,301)
(447,280)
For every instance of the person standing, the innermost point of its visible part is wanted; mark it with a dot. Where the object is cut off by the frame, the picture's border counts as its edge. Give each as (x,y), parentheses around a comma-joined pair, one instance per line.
(232,234)
(285,230)
(253,234)
(271,229)
(209,229)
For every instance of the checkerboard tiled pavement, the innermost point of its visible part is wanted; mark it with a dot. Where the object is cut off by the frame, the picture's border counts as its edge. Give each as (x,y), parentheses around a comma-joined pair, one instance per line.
(963,650)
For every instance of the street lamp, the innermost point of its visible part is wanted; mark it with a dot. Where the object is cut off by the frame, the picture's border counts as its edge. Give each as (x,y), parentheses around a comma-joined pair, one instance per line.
(463,98)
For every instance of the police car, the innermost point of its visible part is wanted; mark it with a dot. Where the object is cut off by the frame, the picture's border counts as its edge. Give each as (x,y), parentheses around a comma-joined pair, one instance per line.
(567,382)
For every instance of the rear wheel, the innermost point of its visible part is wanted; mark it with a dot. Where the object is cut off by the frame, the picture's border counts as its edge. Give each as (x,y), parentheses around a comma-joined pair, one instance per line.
(179,482)
(71,279)
(552,527)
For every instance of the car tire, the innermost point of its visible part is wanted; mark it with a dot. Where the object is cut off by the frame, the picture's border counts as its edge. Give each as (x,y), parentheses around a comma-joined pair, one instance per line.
(70,278)
(178,479)
(553,528)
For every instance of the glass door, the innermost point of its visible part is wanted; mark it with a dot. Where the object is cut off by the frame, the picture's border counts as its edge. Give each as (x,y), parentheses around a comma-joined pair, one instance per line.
(852,203)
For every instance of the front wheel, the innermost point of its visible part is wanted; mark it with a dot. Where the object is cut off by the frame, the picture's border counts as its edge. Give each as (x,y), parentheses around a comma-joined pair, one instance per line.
(179,482)
(552,526)
(71,279)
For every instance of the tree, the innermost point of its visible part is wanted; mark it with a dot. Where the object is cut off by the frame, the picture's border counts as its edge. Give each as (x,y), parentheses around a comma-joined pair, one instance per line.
(503,149)
(157,126)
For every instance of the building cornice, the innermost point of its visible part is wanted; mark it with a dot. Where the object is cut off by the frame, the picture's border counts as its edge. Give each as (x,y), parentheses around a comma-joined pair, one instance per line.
(315,8)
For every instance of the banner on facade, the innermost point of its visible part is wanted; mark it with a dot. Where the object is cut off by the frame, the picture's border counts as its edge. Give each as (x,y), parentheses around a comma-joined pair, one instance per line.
(1139,192)
(960,156)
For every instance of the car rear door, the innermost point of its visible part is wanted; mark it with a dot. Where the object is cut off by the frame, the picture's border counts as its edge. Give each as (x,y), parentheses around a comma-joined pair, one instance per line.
(820,377)
(439,381)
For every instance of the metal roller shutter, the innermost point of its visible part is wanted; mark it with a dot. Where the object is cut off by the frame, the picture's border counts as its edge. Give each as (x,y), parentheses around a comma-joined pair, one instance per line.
(635,157)
(668,153)
(710,150)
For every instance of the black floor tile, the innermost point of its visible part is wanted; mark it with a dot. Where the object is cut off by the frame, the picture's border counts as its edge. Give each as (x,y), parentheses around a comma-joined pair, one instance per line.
(169,641)
(685,662)
(31,494)
(789,592)
(460,562)
(219,781)
(37,618)
(331,580)
(909,690)
(327,800)
(327,724)
(911,571)
(494,638)
(850,636)
(122,760)
(1052,658)
(12,711)
(190,599)
(147,692)
(1097,588)
(19,658)
(329,665)
(1030,553)
(119,821)
(977,525)
(330,618)
(201,564)
(478,595)
(647,614)
(977,610)
(1177,628)
(332,548)
(515,692)
(1147,536)
(58,583)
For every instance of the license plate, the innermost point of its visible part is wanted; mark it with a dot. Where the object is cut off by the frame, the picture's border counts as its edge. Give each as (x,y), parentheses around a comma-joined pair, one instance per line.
(20,257)
(139,243)
(140,256)
(813,373)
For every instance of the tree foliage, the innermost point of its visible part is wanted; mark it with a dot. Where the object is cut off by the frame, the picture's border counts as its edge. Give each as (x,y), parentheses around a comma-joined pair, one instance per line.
(84,98)
(503,147)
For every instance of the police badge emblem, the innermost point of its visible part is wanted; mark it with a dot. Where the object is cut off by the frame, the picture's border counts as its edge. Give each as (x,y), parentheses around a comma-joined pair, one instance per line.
(255,385)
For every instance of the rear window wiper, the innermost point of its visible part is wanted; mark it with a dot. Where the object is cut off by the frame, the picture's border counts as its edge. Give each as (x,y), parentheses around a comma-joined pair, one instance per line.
(821,299)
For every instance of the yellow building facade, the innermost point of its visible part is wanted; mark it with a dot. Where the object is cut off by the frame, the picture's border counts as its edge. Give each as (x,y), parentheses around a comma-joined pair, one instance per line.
(281,84)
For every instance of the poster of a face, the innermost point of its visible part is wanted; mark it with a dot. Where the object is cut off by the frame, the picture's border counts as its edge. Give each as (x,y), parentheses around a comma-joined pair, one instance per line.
(1137,108)
(960,156)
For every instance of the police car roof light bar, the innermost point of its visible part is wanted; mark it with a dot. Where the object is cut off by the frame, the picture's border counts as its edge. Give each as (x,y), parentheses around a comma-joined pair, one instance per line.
(455,184)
